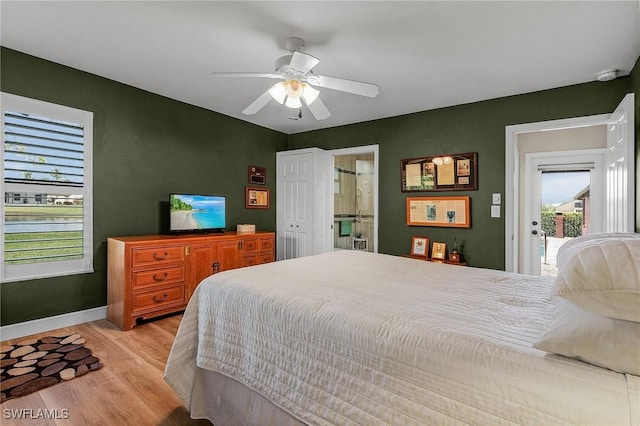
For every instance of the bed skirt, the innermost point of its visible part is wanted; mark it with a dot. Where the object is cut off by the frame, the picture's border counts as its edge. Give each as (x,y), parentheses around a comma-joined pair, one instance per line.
(224,401)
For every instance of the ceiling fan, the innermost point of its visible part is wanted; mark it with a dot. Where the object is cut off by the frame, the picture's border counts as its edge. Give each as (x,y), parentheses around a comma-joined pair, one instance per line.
(298,81)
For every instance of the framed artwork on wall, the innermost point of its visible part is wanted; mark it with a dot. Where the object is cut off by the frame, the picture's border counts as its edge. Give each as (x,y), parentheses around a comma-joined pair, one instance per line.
(256,198)
(257,175)
(452,212)
(449,172)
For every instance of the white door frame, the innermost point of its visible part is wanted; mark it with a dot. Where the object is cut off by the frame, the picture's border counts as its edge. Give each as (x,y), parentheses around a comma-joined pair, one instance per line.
(365,149)
(564,160)
(512,175)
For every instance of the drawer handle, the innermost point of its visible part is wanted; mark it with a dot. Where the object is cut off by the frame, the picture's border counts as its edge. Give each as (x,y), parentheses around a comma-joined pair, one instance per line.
(164,297)
(163,257)
(160,278)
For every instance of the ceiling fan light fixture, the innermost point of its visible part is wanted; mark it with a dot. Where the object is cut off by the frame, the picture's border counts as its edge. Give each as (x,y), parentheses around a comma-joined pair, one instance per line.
(294,88)
(290,92)
(293,102)
(297,83)
(278,92)
(309,94)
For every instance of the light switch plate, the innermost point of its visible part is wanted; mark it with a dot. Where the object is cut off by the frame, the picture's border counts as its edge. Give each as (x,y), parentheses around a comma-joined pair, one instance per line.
(495,211)
(495,198)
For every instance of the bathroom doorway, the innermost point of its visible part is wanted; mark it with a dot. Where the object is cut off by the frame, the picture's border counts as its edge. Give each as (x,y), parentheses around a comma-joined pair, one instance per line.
(355,200)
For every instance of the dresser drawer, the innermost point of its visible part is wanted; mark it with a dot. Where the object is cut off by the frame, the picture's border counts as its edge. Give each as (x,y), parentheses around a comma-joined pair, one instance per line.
(250,260)
(157,255)
(266,257)
(266,244)
(171,274)
(250,245)
(157,299)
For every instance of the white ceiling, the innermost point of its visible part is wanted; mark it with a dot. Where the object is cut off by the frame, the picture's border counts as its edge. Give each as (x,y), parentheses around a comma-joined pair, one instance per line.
(421,54)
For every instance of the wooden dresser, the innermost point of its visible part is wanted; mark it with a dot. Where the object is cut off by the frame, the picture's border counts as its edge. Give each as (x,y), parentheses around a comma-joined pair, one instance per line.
(154,275)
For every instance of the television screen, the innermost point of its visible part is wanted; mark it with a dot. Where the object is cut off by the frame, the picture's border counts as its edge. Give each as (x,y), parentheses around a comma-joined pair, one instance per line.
(196,213)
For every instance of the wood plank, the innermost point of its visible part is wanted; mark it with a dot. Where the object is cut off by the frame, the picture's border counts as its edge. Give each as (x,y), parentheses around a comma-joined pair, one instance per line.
(128,390)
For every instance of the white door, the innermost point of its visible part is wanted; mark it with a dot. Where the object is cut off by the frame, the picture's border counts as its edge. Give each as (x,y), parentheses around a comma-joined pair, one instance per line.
(549,171)
(294,204)
(620,168)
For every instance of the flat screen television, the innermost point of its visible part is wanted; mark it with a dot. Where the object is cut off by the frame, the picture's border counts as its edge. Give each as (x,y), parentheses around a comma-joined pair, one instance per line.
(196,213)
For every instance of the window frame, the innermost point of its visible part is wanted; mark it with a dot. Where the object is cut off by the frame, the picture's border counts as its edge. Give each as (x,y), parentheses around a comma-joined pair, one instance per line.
(30,271)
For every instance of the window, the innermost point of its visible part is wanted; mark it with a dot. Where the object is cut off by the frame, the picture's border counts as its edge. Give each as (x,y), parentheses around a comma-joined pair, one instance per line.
(47,183)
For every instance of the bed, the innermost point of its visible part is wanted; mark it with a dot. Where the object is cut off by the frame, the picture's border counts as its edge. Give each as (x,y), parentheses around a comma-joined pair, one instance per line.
(350,337)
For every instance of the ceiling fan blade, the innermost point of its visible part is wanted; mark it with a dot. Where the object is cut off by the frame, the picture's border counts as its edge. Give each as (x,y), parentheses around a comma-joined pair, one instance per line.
(258,104)
(303,62)
(246,74)
(344,85)
(319,109)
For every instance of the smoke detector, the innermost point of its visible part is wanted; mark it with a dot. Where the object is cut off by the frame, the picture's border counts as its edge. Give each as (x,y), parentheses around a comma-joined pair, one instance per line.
(607,75)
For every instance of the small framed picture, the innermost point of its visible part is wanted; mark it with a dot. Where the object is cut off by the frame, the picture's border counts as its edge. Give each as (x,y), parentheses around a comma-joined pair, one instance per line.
(256,198)
(420,247)
(438,251)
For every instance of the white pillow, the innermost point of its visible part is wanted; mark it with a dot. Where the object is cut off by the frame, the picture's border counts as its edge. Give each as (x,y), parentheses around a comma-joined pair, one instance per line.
(589,337)
(603,276)
(574,244)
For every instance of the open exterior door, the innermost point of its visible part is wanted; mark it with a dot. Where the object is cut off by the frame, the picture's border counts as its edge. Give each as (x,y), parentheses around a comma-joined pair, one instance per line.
(620,172)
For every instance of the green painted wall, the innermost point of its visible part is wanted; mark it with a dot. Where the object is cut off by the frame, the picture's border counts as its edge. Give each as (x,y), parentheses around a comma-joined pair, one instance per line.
(145,146)
(477,127)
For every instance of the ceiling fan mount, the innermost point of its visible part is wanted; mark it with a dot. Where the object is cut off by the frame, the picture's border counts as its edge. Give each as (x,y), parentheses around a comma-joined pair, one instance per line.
(293,44)
(296,72)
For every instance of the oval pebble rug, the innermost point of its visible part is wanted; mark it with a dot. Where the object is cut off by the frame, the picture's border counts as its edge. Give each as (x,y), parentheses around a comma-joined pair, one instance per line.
(31,365)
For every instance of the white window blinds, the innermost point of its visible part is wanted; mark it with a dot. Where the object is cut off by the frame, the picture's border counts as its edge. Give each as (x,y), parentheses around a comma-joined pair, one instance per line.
(46,175)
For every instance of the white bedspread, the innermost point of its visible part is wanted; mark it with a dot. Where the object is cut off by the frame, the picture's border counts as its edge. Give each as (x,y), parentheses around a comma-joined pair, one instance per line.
(357,338)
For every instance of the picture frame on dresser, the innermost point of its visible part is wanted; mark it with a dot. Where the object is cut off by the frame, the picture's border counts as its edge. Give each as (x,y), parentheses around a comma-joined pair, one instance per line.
(439,251)
(420,247)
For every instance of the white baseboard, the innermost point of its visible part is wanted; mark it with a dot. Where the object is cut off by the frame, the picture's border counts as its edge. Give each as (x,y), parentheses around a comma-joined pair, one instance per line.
(27,328)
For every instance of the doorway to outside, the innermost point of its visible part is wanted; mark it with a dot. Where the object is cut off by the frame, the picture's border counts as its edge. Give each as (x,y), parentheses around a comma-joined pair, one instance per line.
(564,200)
(522,235)
(564,212)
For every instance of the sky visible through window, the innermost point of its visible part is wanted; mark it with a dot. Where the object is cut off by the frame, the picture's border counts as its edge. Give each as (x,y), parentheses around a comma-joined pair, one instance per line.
(561,187)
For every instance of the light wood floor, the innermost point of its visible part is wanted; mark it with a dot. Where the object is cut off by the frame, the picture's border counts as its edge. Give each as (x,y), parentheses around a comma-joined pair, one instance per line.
(128,390)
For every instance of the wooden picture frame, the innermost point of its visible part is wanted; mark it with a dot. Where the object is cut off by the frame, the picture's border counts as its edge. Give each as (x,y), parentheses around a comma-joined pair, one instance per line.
(257,175)
(439,251)
(420,247)
(256,198)
(451,212)
(449,172)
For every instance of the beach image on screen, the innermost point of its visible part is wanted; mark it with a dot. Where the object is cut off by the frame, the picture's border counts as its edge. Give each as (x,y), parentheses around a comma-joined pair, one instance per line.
(197,212)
